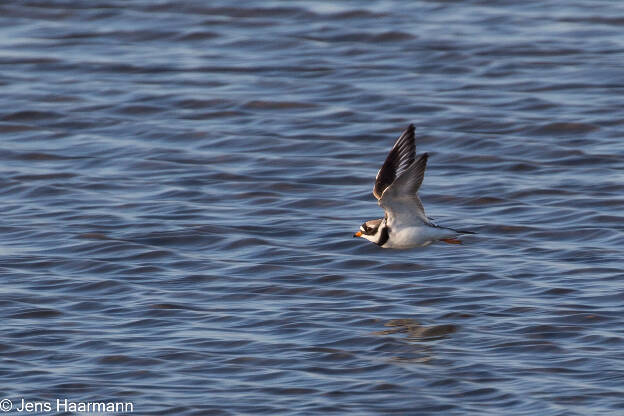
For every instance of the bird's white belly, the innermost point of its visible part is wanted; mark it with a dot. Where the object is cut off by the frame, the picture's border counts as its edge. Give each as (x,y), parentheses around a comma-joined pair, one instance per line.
(415,237)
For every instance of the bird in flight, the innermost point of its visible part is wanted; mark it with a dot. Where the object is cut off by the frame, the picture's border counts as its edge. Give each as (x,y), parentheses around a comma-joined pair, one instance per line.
(405,224)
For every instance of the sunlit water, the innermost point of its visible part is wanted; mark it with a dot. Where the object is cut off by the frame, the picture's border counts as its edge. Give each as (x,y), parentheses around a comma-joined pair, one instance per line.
(181,180)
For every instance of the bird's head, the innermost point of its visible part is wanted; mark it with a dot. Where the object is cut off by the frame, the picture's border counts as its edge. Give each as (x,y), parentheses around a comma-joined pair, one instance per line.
(369,230)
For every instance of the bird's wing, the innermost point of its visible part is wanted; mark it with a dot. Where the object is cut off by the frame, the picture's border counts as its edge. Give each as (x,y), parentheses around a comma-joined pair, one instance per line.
(398,160)
(400,200)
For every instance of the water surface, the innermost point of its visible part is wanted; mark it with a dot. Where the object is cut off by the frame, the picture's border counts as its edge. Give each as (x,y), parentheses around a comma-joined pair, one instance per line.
(180,181)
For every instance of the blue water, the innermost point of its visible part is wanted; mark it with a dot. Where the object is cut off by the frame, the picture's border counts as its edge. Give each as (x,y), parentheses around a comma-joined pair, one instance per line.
(180,181)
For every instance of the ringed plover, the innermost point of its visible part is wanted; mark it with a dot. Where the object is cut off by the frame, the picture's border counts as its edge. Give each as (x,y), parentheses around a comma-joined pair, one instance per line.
(405,224)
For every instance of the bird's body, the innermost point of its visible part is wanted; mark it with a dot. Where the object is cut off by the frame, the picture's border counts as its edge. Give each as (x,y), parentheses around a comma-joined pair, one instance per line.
(389,235)
(405,224)
(417,236)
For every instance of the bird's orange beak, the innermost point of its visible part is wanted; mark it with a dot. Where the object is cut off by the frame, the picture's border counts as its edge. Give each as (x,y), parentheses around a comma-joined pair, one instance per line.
(358,234)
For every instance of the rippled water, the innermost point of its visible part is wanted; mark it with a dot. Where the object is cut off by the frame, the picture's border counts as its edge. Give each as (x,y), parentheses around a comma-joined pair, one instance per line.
(181,180)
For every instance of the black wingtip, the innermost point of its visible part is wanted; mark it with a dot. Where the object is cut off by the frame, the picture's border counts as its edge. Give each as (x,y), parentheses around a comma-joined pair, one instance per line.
(398,160)
(409,134)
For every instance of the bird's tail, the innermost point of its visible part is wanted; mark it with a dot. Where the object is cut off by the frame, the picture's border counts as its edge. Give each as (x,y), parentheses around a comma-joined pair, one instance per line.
(464,232)
(460,231)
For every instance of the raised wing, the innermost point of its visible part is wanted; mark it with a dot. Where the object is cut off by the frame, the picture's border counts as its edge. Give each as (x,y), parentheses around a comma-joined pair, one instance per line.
(398,160)
(400,200)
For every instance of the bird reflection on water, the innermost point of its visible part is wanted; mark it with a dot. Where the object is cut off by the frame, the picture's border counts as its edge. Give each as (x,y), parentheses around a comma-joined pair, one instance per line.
(416,348)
